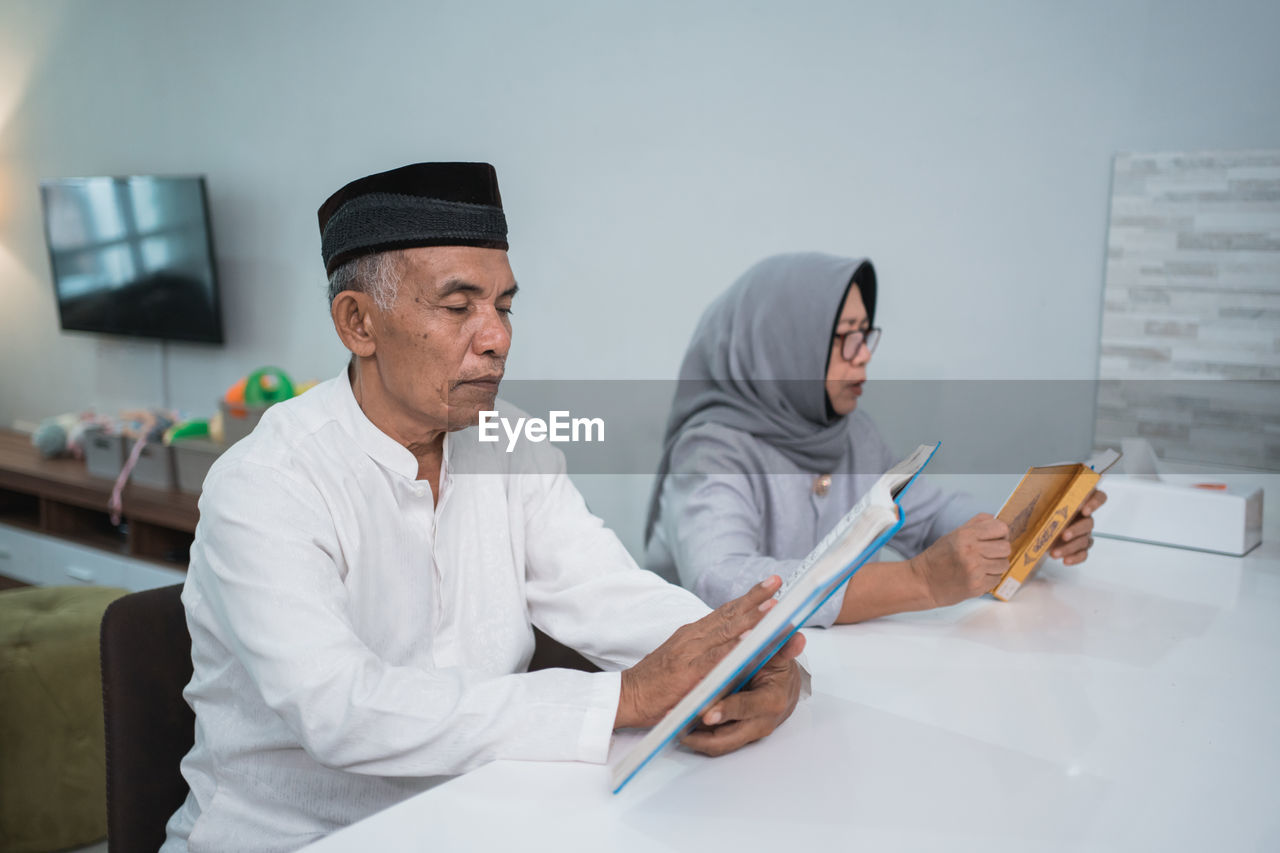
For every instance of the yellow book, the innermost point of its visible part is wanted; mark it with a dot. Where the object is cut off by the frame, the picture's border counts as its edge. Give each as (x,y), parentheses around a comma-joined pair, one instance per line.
(1044,503)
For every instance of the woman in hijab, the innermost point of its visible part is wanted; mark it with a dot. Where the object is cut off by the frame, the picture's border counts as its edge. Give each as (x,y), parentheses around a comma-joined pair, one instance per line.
(765,451)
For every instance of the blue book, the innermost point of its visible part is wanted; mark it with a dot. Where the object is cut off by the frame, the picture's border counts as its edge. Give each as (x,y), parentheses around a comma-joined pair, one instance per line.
(863,531)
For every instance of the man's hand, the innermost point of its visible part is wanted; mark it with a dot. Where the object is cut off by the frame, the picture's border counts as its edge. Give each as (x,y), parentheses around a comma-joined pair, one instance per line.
(655,684)
(965,563)
(1073,544)
(755,710)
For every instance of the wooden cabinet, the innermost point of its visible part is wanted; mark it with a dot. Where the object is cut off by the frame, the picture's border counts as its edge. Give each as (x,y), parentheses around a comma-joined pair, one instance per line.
(58,498)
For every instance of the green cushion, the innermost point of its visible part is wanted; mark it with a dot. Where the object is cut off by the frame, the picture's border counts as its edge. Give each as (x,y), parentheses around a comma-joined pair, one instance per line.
(52,771)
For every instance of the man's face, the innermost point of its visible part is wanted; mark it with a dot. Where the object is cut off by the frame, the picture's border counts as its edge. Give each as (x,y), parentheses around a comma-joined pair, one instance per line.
(442,347)
(845,377)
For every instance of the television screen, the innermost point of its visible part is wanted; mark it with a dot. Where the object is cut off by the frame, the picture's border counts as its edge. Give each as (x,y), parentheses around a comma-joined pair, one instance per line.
(133,256)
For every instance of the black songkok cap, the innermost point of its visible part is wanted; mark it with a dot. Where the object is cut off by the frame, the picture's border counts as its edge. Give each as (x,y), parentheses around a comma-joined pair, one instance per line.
(425,204)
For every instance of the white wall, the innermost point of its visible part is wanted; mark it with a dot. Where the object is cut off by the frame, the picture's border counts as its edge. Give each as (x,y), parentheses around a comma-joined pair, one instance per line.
(647,154)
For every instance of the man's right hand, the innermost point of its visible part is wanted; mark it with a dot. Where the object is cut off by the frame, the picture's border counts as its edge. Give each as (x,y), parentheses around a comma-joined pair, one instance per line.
(965,563)
(655,684)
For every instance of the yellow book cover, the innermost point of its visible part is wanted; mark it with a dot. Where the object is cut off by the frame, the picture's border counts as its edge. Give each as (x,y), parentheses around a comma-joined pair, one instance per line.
(1045,501)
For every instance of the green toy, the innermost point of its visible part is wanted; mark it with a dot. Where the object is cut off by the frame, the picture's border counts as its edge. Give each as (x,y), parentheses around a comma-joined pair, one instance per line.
(187,429)
(266,386)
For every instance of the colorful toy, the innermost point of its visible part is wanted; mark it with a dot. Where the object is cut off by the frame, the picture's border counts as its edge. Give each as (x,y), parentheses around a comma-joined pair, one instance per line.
(217,429)
(146,424)
(259,389)
(267,385)
(234,398)
(187,429)
(63,435)
(50,438)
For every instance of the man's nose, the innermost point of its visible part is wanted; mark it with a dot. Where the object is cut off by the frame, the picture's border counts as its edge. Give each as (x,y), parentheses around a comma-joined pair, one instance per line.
(493,337)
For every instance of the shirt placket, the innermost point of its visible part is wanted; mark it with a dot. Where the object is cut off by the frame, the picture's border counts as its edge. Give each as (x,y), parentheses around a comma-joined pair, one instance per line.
(446,641)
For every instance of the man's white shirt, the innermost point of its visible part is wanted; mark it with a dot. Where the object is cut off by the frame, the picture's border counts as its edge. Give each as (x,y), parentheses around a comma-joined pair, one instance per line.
(353,643)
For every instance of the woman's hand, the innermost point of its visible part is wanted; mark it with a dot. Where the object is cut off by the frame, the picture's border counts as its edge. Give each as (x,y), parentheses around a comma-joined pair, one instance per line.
(1073,544)
(965,563)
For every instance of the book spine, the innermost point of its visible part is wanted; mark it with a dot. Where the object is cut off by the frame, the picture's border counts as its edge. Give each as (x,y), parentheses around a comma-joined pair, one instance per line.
(1023,563)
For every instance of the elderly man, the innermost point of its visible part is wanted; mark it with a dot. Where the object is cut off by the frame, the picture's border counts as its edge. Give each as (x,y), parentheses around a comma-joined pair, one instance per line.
(363,585)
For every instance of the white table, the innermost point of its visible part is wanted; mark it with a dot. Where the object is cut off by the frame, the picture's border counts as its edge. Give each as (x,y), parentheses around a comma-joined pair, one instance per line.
(1132,703)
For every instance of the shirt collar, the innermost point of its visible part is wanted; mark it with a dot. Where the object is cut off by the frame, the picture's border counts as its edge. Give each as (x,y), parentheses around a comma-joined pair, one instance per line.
(379,446)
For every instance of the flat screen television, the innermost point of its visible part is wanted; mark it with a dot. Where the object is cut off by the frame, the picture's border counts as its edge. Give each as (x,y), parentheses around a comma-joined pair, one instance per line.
(133,256)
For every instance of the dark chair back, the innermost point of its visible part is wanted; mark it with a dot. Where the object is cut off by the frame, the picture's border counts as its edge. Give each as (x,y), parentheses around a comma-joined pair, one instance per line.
(146,663)
(551,654)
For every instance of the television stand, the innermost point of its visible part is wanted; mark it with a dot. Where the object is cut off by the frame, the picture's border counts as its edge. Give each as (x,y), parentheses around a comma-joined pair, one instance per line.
(55,527)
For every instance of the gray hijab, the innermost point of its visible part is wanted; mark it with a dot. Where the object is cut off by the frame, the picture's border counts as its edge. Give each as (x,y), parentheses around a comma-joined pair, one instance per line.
(758,361)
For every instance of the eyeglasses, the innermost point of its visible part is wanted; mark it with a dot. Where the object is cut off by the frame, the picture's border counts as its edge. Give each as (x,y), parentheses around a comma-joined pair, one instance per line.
(853,341)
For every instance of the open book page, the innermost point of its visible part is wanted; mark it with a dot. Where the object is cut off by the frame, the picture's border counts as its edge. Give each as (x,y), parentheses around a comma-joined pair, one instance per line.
(862,531)
(868,516)
(843,535)
(899,476)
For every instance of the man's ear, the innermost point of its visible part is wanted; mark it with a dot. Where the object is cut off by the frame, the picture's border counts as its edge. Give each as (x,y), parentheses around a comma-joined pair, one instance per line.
(353,319)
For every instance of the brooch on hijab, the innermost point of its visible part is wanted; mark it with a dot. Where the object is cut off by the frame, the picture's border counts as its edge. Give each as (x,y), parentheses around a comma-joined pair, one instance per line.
(822,485)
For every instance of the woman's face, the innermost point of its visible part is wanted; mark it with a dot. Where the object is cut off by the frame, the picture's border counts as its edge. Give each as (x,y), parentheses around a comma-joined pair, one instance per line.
(845,378)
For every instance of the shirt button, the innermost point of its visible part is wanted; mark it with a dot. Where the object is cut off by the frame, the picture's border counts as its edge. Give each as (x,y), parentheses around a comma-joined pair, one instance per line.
(418,491)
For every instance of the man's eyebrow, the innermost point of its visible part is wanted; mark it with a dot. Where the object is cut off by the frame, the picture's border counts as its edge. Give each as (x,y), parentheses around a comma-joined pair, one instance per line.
(857,324)
(461,285)
(458,285)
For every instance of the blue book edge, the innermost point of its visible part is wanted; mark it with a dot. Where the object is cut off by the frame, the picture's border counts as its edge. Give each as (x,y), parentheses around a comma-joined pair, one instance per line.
(790,627)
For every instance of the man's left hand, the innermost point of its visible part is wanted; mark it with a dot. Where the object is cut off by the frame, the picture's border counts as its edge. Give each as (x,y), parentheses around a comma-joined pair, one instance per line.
(1073,545)
(757,709)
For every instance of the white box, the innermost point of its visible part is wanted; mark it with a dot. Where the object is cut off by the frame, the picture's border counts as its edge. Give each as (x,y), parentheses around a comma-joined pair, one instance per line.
(154,468)
(103,453)
(238,421)
(1225,521)
(192,459)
